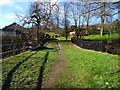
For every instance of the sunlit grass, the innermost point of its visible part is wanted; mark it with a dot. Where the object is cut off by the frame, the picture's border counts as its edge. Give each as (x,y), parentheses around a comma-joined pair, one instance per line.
(27,72)
(59,37)
(105,37)
(51,33)
(89,69)
(64,38)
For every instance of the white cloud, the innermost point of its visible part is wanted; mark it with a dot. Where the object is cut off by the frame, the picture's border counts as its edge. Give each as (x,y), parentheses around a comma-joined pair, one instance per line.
(1,15)
(6,2)
(18,8)
(21,14)
(10,16)
(48,0)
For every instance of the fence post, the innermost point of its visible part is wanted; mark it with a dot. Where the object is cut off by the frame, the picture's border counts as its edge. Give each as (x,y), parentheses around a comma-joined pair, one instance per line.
(14,44)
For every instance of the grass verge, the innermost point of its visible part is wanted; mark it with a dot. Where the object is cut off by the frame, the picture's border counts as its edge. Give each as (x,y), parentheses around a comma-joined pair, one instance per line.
(105,37)
(89,69)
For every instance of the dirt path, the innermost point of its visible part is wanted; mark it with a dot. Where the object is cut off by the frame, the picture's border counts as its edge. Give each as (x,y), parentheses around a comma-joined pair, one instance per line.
(52,76)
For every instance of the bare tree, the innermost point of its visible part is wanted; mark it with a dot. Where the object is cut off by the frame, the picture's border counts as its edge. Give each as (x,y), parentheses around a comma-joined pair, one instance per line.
(88,6)
(55,19)
(102,15)
(66,21)
(75,13)
(103,10)
(39,15)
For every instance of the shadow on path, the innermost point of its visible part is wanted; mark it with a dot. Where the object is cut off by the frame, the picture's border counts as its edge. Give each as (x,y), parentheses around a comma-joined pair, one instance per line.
(41,72)
(46,48)
(8,80)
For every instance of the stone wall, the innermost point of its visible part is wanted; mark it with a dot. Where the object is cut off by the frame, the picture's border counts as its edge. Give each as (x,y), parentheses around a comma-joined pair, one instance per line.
(112,47)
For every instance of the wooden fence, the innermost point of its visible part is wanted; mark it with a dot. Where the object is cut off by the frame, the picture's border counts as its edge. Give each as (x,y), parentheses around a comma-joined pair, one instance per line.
(12,49)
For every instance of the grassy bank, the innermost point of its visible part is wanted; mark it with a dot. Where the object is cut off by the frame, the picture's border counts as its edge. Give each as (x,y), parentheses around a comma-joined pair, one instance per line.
(27,69)
(105,37)
(88,69)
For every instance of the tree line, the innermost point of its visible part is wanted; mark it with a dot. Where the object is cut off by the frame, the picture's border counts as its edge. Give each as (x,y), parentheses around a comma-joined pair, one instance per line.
(54,15)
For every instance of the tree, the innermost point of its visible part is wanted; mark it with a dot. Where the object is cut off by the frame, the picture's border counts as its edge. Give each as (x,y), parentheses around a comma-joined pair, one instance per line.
(66,21)
(102,15)
(88,6)
(116,25)
(56,15)
(103,10)
(39,15)
(75,13)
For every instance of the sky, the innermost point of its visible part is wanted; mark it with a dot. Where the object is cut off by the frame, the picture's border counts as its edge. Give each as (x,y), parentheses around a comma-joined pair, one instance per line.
(9,9)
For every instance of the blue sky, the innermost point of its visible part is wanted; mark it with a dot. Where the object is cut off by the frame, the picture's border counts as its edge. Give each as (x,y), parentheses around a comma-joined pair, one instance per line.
(9,9)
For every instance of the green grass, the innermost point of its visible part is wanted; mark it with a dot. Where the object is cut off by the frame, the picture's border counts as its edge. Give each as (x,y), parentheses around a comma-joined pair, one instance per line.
(51,33)
(58,38)
(105,37)
(88,69)
(27,72)
(84,68)
(63,38)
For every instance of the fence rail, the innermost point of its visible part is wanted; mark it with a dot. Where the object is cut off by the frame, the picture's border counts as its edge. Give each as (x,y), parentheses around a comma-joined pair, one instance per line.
(11,44)
(12,49)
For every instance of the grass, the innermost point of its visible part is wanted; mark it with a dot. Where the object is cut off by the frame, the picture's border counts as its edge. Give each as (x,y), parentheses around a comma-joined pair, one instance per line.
(89,69)
(24,70)
(114,36)
(64,38)
(84,68)
(105,37)
(59,38)
(51,33)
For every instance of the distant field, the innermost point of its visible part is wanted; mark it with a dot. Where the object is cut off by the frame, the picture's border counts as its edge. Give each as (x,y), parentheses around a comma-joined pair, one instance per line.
(64,38)
(114,36)
(58,38)
(105,37)
(88,69)
(51,33)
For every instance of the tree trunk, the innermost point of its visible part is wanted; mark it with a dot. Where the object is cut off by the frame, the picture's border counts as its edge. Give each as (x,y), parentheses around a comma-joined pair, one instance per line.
(37,34)
(76,29)
(86,31)
(65,21)
(102,26)
(88,17)
(102,17)
(66,36)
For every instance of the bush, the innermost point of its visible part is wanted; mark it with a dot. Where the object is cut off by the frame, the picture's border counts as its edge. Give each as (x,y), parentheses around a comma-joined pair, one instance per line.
(56,36)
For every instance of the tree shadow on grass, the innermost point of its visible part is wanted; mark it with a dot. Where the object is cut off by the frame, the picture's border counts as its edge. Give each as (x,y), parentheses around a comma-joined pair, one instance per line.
(46,48)
(41,48)
(8,80)
(40,78)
